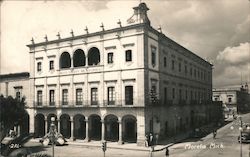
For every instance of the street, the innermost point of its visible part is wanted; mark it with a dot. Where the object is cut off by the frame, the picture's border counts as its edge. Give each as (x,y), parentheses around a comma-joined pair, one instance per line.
(225,144)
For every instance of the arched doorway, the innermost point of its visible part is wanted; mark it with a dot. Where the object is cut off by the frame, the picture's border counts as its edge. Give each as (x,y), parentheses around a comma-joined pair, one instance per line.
(49,121)
(95,127)
(129,128)
(93,56)
(24,125)
(39,125)
(65,60)
(79,58)
(65,126)
(79,127)
(111,128)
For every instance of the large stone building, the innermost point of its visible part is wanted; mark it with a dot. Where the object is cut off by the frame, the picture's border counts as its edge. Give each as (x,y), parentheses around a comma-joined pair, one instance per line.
(17,86)
(119,84)
(234,100)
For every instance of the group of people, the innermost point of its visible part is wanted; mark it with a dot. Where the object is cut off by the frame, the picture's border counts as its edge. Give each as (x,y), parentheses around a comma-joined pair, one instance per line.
(151,140)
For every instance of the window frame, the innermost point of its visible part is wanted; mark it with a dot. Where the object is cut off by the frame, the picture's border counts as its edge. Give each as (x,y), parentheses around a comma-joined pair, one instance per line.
(128,55)
(79,96)
(129,95)
(51,65)
(39,67)
(110,58)
(94,96)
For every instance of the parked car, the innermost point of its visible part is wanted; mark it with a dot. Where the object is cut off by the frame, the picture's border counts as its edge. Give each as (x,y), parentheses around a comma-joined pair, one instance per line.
(245,137)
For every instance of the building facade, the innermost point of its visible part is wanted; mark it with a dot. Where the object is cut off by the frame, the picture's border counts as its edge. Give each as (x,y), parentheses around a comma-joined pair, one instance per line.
(17,86)
(118,84)
(234,100)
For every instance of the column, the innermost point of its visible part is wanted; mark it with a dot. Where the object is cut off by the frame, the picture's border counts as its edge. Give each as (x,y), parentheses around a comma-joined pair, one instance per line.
(72,128)
(120,131)
(18,130)
(58,126)
(103,130)
(46,125)
(87,129)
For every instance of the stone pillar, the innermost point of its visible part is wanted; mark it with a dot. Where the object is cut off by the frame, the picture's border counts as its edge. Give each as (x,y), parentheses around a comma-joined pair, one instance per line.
(103,130)
(46,125)
(120,131)
(87,129)
(72,128)
(58,126)
(18,130)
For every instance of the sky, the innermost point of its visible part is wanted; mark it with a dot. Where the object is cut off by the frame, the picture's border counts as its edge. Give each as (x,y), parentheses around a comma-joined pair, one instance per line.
(216,30)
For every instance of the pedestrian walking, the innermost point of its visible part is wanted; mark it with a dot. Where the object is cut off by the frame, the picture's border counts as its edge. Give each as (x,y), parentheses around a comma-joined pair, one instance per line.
(167,152)
(214,134)
(146,141)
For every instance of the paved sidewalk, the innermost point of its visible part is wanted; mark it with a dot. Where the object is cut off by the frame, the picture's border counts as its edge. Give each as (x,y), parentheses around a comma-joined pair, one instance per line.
(127,146)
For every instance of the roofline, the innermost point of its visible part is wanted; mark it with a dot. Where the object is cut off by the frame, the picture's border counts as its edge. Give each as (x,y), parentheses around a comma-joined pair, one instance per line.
(14,75)
(86,35)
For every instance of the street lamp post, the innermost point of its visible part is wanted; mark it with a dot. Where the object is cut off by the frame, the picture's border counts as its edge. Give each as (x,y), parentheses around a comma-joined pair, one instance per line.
(52,135)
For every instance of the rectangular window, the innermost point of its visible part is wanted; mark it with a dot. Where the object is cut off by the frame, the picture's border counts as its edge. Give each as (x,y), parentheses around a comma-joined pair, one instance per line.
(111,95)
(173,93)
(165,95)
(230,99)
(194,72)
(65,95)
(94,96)
(186,94)
(191,71)
(186,70)
(173,64)
(51,65)
(39,66)
(165,61)
(110,58)
(129,95)
(153,55)
(128,55)
(39,98)
(52,97)
(79,97)
(180,94)
(191,95)
(179,67)
(18,95)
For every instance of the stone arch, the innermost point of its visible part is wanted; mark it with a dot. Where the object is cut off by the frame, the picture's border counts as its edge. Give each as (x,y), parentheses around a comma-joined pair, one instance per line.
(39,125)
(79,58)
(65,125)
(111,127)
(95,127)
(65,60)
(24,125)
(129,128)
(93,56)
(79,126)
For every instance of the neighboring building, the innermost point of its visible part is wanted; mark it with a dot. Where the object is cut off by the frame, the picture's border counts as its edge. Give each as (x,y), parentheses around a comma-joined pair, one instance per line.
(119,84)
(17,86)
(234,100)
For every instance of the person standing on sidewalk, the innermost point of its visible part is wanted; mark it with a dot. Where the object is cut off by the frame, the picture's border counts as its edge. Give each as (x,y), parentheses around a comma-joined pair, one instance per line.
(214,133)
(167,152)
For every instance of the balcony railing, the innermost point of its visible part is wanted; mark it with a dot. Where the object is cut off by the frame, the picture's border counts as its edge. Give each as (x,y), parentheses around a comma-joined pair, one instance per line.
(89,103)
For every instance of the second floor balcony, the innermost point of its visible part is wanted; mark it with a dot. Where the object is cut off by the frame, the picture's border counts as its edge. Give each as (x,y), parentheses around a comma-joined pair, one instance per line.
(89,103)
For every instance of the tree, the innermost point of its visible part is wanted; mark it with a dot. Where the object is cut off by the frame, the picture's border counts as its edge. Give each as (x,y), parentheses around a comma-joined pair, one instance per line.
(12,112)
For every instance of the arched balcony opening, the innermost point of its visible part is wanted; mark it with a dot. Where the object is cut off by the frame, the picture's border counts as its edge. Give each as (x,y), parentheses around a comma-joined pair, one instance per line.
(93,56)
(79,58)
(65,60)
